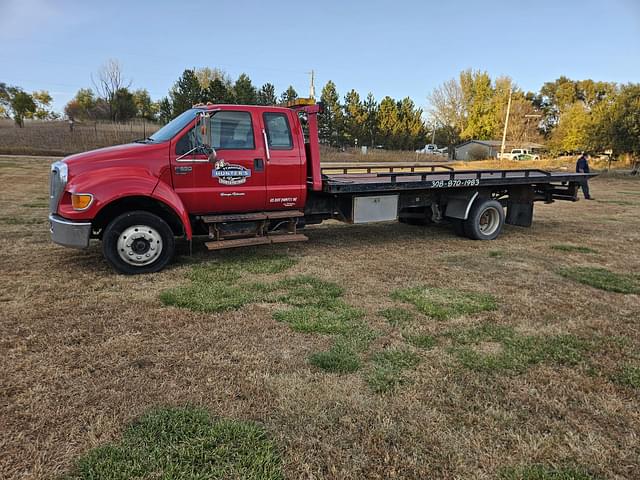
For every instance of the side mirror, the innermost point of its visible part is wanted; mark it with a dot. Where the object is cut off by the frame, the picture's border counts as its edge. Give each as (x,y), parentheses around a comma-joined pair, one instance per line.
(212,155)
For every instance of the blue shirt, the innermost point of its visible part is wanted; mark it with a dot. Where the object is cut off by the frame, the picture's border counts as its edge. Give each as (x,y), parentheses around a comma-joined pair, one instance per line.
(582,166)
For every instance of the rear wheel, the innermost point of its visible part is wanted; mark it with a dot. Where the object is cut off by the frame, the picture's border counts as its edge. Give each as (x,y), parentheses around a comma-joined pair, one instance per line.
(485,220)
(138,242)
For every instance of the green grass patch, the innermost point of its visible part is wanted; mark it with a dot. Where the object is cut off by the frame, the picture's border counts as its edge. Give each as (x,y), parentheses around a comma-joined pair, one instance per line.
(340,358)
(306,290)
(565,247)
(388,367)
(630,193)
(629,376)
(208,297)
(496,253)
(184,443)
(494,348)
(219,286)
(541,472)
(340,319)
(397,316)
(603,279)
(444,303)
(425,342)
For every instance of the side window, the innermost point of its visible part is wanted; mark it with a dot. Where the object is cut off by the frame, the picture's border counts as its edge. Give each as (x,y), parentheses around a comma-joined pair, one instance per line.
(278,131)
(186,142)
(232,131)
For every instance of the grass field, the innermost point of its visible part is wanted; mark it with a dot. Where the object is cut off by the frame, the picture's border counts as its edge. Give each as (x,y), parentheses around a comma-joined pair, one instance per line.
(379,351)
(55,137)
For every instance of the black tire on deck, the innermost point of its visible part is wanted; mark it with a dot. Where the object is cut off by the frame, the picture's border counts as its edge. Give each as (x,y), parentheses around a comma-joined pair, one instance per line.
(138,242)
(485,220)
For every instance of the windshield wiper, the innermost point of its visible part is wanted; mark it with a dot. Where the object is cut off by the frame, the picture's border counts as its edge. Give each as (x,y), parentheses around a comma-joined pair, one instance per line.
(144,140)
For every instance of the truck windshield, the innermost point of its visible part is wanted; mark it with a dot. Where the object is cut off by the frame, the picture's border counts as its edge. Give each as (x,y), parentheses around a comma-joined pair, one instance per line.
(174,126)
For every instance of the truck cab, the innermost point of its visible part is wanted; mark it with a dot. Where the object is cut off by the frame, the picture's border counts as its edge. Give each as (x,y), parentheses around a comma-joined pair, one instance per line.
(211,159)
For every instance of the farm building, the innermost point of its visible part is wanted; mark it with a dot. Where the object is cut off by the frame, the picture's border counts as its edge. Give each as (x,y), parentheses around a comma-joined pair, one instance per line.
(479,149)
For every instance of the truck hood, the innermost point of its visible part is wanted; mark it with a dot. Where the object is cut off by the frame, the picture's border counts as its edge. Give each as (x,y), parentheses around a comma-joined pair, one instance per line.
(153,155)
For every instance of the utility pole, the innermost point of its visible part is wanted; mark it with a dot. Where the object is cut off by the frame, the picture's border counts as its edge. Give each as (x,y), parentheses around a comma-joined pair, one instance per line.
(312,87)
(506,124)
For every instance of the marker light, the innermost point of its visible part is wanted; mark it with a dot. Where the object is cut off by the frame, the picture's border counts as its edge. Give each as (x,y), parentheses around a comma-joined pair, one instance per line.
(81,201)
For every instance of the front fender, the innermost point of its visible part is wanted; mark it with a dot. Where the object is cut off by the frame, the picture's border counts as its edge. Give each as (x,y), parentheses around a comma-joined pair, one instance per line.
(111,184)
(164,193)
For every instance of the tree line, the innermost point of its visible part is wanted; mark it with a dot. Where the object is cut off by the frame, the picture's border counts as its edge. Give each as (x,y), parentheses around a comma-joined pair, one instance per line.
(18,104)
(566,115)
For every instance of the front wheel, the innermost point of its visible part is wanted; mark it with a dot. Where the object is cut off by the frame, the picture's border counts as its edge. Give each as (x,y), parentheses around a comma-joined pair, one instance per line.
(485,220)
(138,242)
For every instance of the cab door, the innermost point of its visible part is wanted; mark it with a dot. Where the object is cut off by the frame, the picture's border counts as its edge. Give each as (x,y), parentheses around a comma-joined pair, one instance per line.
(236,181)
(286,168)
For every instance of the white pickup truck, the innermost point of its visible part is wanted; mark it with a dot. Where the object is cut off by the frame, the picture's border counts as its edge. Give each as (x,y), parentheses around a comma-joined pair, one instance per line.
(519,154)
(429,149)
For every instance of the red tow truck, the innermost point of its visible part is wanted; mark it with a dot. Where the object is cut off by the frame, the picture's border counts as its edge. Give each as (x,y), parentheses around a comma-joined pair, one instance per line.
(248,175)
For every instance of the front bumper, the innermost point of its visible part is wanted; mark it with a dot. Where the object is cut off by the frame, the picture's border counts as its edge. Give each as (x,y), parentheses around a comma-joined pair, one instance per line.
(68,233)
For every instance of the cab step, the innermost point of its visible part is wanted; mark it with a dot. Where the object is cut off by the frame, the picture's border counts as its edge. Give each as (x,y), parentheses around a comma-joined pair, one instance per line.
(245,242)
(245,229)
(252,217)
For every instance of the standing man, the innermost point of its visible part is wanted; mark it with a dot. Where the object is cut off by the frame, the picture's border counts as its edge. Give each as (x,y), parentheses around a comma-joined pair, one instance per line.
(582,166)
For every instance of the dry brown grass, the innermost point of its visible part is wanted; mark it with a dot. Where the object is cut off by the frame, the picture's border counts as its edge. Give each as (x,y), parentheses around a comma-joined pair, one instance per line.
(84,350)
(55,138)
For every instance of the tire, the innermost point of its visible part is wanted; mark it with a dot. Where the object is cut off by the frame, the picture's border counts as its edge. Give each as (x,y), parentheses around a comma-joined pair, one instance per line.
(150,251)
(485,221)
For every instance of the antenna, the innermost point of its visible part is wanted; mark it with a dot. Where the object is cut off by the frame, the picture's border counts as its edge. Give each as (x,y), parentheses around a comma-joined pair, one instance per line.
(312,87)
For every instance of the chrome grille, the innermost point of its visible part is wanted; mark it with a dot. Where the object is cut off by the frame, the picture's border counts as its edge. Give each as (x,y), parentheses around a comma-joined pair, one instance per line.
(57,182)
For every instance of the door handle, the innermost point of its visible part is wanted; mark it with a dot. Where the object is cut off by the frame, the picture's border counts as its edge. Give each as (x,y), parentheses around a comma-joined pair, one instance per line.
(258,164)
(266,144)
(181,170)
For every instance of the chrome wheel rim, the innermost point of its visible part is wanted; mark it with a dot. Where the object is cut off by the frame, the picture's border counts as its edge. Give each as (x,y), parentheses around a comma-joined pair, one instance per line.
(489,221)
(139,245)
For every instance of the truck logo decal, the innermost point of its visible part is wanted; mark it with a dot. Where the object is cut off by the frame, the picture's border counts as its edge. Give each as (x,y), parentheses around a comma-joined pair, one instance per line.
(229,174)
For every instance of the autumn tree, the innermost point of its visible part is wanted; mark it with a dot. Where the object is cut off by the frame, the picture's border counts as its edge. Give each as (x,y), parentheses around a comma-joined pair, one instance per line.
(354,117)
(43,100)
(22,105)
(145,107)
(388,118)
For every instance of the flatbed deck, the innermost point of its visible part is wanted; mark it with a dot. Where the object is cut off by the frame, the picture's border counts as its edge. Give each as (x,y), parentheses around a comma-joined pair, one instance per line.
(354,180)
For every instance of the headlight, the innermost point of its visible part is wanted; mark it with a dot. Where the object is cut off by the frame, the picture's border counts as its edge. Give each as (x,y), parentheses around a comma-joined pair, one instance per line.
(81,201)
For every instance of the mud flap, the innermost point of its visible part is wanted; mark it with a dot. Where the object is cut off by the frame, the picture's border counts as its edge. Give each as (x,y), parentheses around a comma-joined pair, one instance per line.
(520,206)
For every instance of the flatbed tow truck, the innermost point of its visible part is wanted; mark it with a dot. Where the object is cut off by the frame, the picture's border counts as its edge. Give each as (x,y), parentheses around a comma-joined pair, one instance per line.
(249,175)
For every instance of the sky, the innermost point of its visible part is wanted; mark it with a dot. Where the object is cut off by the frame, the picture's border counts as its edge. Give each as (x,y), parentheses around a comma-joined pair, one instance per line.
(398,48)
